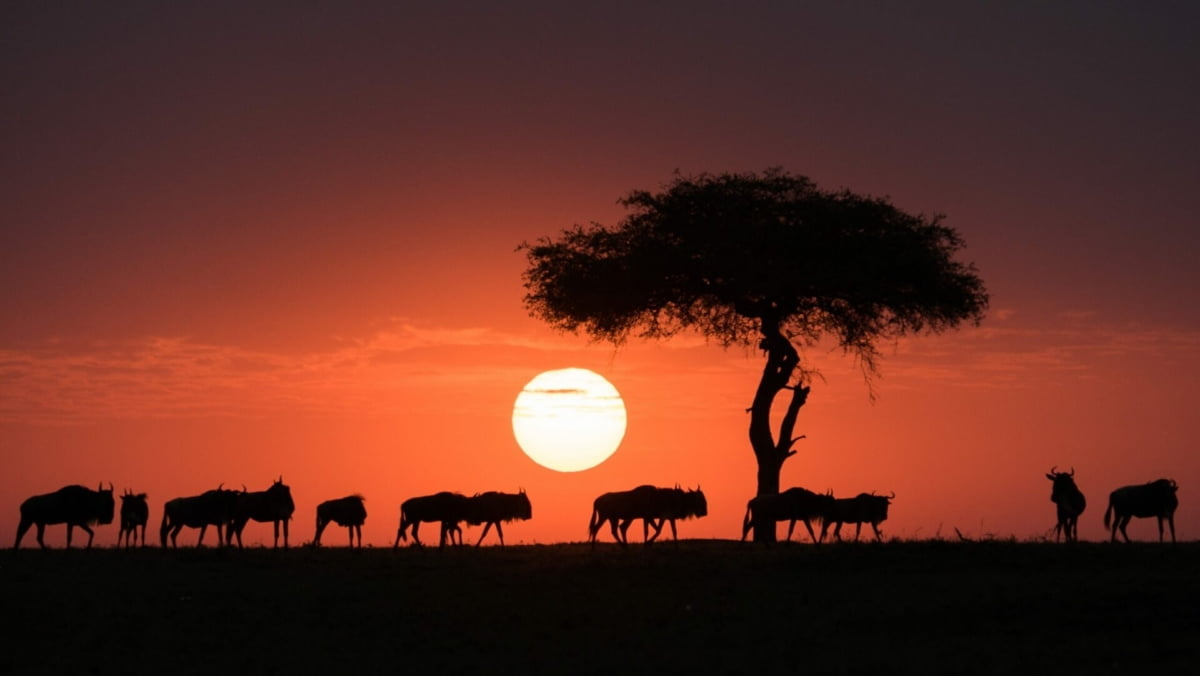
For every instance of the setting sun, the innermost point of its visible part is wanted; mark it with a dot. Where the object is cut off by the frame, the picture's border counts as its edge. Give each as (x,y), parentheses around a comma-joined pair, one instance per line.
(569,420)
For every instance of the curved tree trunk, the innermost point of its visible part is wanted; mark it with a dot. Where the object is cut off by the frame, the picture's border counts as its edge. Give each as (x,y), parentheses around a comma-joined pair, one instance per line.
(771,450)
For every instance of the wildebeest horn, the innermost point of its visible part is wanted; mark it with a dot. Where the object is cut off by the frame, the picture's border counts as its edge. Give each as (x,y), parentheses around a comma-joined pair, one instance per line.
(1072,470)
(892,496)
(110,487)
(1052,469)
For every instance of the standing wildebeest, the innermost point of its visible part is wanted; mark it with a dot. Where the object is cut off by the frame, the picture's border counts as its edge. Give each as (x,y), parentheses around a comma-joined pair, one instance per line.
(72,505)
(446,508)
(792,505)
(860,509)
(493,507)
(348,511)
(1070,504)
(134,514)
(1156,499)
(274,505)
(651,504)
(210,508)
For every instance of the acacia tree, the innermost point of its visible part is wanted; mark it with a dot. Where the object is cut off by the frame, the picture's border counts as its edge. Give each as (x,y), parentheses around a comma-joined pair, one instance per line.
(757,258)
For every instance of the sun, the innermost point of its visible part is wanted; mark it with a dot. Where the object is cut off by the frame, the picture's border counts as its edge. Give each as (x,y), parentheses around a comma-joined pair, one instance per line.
(569,420)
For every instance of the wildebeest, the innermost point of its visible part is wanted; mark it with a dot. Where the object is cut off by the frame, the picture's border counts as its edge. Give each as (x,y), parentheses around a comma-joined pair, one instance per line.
(73,505)
(134,515)
(274,505)
(210,508)
(445,508)
(792,505)
(652,504)
(1156,499)
(1069,502)
(348,511)
(860,509)
(493,507)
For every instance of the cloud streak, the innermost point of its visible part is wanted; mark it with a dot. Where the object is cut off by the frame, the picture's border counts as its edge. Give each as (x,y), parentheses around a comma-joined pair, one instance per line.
(163,377)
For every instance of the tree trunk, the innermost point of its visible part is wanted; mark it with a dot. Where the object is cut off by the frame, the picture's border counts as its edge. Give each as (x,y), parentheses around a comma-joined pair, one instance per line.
(769,450)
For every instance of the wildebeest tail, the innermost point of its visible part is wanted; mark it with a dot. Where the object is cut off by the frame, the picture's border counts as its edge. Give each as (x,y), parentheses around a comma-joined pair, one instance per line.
(166,526)
(1108,512)
(402,534)
(594,523)
(746,521)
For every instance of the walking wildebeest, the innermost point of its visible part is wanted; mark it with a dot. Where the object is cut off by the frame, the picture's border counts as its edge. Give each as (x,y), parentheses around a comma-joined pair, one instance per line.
(134,514)
(210,508)
(72,505)
(274,505)
(445,507)
(1069,502)
(651,504)
(792,505)
(348,511)
(493,507)
(1156,499)
(860,509)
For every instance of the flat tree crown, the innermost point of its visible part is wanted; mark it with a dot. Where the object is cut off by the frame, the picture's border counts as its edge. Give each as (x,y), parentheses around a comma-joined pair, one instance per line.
(746,257)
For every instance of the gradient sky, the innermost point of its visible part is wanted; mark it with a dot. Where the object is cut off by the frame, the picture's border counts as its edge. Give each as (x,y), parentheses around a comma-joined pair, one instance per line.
(239,240)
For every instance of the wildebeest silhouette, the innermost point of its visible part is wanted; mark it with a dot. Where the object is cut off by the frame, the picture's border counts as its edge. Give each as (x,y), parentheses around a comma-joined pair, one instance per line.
(134,515)
(348,511)
(1069,503)
(1156,499)
(274,505)
(652,504)
(210,508)
(792,505)
(73,505)
(493,507)
(446,508)
(860,509)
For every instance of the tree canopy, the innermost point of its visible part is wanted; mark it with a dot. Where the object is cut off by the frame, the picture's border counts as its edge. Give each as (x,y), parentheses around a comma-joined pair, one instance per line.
(740,256)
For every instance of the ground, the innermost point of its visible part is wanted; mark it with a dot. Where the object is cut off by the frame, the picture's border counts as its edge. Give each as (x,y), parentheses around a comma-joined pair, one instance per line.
(716,606)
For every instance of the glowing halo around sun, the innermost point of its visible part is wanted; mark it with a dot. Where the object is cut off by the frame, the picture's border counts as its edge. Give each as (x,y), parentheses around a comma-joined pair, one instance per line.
(569,420)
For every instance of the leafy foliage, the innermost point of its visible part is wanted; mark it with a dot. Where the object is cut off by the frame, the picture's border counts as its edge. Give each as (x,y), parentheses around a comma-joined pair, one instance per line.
(743,256)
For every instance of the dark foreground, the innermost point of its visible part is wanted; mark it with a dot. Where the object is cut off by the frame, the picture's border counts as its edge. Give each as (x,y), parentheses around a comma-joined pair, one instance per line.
(709,606)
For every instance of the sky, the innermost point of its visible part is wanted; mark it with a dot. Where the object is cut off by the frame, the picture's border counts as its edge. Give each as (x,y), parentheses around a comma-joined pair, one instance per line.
(245,240)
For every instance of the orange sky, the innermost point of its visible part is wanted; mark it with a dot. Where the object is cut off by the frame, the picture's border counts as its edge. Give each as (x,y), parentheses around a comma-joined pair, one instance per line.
(239,243)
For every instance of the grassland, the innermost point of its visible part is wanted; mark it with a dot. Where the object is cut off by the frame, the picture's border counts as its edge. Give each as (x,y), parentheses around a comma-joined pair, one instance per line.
(705,606)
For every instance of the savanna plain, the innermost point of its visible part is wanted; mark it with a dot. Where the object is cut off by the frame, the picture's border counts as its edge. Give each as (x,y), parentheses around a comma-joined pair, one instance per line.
(702,606)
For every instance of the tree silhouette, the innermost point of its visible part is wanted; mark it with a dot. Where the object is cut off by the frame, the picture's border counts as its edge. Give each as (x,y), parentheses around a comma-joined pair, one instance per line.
(767,258)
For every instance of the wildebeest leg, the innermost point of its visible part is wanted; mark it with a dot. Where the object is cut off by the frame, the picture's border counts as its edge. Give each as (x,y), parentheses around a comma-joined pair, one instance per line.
(810,531)
(285,533)
(416,540)
(41,531)
(22,528)
(1125,522)
(857,530)
(203,528)
(486,527)
(143,535)
(619,537)
(672,521)
(320,528)
(500,532)
(837,531)
(90,534)
(71,526)
(1171,523)
(875,527)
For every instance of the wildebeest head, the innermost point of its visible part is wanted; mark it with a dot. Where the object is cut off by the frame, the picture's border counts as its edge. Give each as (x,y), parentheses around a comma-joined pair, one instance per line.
(524,507)
(281,495)
(1064,484)
(694,503)
(105,505)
